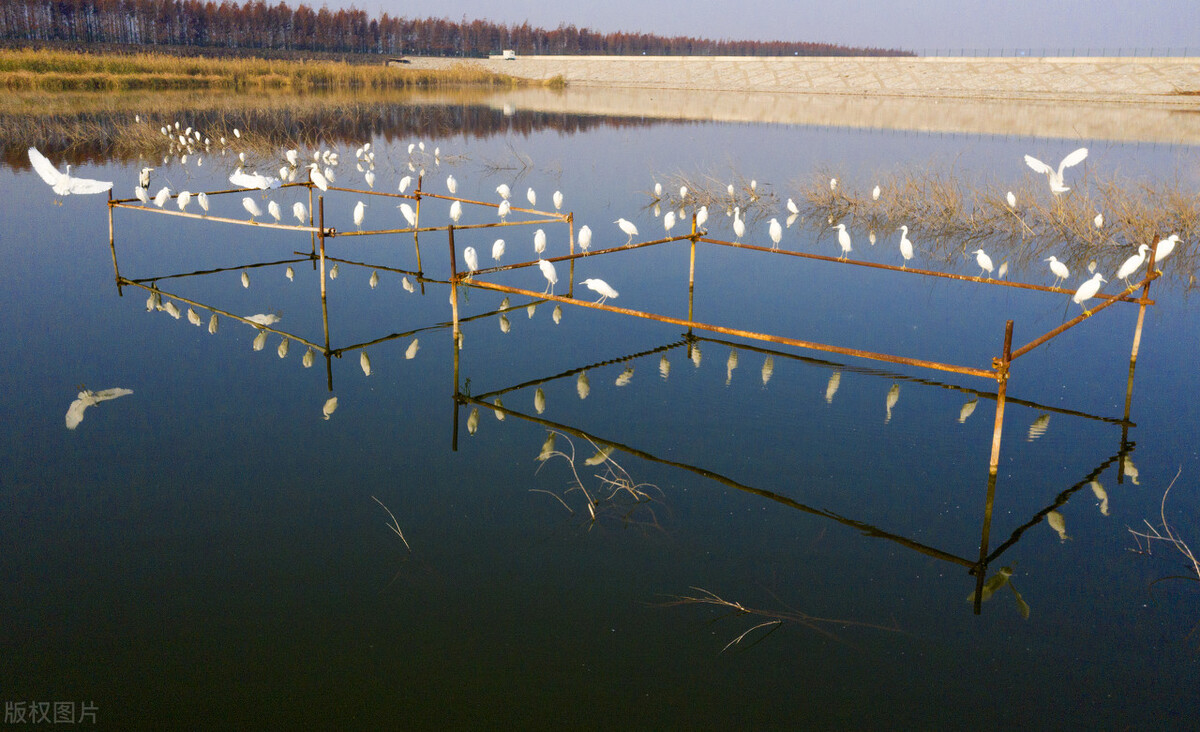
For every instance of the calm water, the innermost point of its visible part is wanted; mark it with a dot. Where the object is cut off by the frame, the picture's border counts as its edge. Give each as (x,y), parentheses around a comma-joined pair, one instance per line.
(207,553)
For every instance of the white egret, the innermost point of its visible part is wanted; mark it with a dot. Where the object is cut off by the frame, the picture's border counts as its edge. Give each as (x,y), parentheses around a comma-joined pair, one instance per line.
(1087,291)
(585,237)
(365,362)
(456,211)
(701,216)
(753,186)
(498,249)
(504,191)
(315,175)
(333,273)
(833,184)
(471,259)
(729,190)
(843,240)
(264,319)
(144,177)
(531,196)
(411,146)
(627,227)
(1165,247)
(875,194)
(1099,220)
(549,273)
(360,210)
(1092,267)
(1059,269)
(1132,264)
(64,184)
(140,193)
(1055,177)
(242,179)
(739,225)
(792,207)
(600,287)
(451,184)
(369,177)
(1012,199)
(329,176)
(300,212)
(273,209)
(503,209)
(293,157)
(776,232)
(984,262)
(202,199)
(411,352)
(88,398)
(331,404)
(236,132)
(251,207)
(409,214)
(669,221)
(374,281)
(871,237)
(405,182)
(539,241)
(657,190)
(906,246)
(558,200)
(160,198)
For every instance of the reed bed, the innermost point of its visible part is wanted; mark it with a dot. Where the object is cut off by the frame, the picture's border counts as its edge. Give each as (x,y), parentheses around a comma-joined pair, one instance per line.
(948,216)
(53,70)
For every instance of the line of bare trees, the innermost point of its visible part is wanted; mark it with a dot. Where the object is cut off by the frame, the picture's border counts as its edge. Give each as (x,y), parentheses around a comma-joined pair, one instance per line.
(257,25)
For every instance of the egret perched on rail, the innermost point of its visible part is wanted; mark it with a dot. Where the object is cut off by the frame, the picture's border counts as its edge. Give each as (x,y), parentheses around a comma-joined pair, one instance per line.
(1055,177)
(739,224)
(272,208)
(299,211)
(550,273)
(776,232)
(142,195)
(405,182)
(984,262)
(318,179)
(558,200)
(669,221)
(906,246)
(1165,247)
(63,183)
(144,177)
(498,249)
(701,217)
(183,199)
(202,199)
(600,287)
(531,196)
(627,227)
(1087,291)
(843,240)
(456,211)
(471,259)
(1133,264)
(504,209)
(1059,269)
(585,238)
(409,215)
(504,191)
(251,207)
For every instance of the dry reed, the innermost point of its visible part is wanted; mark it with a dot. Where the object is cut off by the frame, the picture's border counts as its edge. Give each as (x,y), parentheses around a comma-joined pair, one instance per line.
(1166,534)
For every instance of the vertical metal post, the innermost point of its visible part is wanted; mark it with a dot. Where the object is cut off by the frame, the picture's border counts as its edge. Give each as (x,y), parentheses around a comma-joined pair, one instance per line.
(324,303)
(571,250)
(1001,365)
(454,290)
(310,217)
(1133,356)
(417,225)
(457,402)
(112,245)
(692,269)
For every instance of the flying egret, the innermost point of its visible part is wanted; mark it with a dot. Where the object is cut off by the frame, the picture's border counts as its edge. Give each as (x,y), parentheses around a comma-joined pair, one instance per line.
(549,273)
(300,212)
(875,194)
(251,207)
(242,179)
(539,241)
(63,183)
(504,191)
(272,208)
(776,232)
(144,177)
(455,211)
(906,246)
(627,227)
(451,184)
(585,237)
(264,319)
(1012,199)
(1059,269)
(600,287)
(503,209)
(160,198)
(471,259)
(558,200)
(1087,291)
(360,210)
(1132,264)
(88,398)
(202,199)
(843,240)
(409,215)
(142,195)
(792,207)
(531,196)
(498,249)
(669,221)
(1055,177)
(314,174)
(1165,247)
(984,262)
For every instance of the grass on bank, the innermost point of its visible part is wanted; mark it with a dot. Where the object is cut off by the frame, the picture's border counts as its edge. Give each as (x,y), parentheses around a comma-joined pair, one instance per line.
(52,70)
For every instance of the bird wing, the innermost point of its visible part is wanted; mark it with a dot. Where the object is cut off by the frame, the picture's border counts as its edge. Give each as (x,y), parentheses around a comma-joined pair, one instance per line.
(105,394)
(1038,166)
(44,167)
(1074,158)
(242,180)
(75,412)
(88,185)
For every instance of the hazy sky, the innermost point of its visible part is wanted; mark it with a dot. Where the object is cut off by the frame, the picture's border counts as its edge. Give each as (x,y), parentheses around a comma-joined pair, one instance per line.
(910,24)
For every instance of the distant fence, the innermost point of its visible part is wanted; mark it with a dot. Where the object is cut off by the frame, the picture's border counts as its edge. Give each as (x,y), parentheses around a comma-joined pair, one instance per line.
(1084,51)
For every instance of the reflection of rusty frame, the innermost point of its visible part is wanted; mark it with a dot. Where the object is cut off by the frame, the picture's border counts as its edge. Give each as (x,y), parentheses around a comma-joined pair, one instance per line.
(977,567)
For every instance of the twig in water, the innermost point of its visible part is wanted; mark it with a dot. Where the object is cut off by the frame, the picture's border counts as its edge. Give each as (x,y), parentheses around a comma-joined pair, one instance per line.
(395,525)
(1167,535)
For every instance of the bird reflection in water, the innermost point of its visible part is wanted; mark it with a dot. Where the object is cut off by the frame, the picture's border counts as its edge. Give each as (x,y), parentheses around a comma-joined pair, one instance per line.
(498,412)
(583,386)
(1101,495)
(1002,578)
(967,410)
(731,363)
(625,376)
(87,398)
(835,381)
(893,396)
(664,366)
(473,421)
(1059,524)
(1038,428)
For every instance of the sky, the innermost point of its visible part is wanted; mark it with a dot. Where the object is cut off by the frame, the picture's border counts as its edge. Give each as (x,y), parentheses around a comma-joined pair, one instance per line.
(908,24)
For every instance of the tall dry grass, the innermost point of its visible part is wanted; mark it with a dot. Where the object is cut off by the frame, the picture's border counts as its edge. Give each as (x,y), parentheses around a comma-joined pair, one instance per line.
(52,70)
